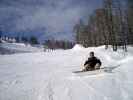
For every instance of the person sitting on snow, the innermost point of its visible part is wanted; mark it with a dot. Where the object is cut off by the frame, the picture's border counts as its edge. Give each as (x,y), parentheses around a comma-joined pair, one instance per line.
(92,63)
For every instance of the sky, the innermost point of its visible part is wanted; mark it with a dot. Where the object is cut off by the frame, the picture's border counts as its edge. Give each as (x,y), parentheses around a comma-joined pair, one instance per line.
(44,18)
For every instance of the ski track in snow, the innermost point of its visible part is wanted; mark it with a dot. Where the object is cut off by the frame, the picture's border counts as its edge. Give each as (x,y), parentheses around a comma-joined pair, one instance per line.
(48,76)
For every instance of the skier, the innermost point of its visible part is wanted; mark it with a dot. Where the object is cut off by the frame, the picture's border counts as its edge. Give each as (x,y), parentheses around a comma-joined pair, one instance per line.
(92,63)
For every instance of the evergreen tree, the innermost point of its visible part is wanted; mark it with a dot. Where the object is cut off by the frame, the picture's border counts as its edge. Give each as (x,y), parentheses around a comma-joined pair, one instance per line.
(0,32)
(23,39)
(33,40)
(130,20)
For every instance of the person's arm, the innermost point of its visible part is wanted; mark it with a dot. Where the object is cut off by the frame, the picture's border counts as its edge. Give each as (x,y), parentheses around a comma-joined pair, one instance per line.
(98,61)
(87,62)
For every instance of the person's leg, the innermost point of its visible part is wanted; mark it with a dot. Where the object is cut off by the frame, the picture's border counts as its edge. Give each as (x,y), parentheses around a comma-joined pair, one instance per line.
(84,68)
(97,66)
(87,67)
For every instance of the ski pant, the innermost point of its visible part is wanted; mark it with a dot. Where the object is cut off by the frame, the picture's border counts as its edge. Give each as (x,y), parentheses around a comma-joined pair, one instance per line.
(87,67)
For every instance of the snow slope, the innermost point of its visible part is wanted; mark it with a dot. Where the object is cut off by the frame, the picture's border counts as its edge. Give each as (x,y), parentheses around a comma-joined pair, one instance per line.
(48,76)
(11,48)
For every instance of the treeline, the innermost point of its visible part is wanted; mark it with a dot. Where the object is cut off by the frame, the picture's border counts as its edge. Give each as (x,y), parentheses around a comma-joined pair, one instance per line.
(110,25)
(32,40)
(58,44)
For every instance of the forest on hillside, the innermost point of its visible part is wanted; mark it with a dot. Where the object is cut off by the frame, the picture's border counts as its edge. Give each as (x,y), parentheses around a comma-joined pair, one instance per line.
(112,24)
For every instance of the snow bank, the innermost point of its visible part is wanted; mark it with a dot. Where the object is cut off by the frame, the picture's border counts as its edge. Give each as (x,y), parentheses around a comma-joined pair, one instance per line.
(78,47)
(48,76)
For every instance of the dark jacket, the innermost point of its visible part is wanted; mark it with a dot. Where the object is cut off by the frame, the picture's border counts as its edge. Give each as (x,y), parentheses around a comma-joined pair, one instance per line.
(92,61)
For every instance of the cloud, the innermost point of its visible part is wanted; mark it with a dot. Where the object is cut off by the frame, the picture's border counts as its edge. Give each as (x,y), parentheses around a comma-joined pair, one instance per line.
(51,16)
(53,20)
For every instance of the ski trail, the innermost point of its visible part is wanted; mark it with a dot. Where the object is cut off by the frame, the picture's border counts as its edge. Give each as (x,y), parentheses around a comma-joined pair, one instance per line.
(92,89)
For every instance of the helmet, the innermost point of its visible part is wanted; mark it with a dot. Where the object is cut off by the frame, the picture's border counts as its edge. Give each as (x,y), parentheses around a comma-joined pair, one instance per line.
(92,52)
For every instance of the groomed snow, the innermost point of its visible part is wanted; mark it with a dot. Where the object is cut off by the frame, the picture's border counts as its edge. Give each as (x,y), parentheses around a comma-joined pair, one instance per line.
(48,76)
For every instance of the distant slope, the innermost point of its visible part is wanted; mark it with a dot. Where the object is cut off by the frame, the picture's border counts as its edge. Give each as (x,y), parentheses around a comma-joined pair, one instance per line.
(11,48)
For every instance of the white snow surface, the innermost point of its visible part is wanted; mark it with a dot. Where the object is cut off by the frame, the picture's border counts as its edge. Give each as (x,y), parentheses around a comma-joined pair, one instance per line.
(48,76)
(78,47)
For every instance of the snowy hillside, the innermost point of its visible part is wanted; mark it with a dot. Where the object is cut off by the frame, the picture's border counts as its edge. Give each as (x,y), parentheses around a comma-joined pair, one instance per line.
(11,48)
(48,76)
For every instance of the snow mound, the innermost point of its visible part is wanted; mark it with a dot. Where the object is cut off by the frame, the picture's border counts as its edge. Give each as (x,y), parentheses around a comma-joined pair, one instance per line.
(78,47)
